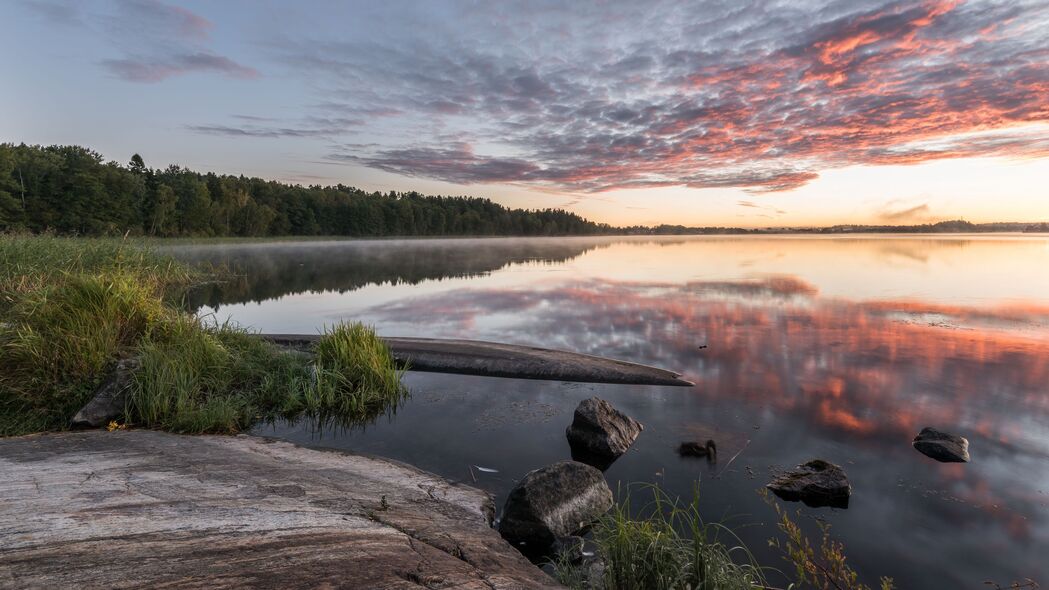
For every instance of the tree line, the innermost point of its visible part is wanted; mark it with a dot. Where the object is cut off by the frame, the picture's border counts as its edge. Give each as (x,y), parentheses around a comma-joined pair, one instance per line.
(73,190)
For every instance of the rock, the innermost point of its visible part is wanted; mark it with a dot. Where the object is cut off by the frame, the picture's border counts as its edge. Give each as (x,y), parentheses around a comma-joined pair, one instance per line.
(944,447)
(98,509)
(555,501)
(110,397)
(816,483)
(569,548)
(599,433)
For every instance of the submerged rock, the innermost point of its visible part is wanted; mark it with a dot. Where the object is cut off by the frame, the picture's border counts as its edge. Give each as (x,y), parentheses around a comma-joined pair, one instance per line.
(816,483)
(110,397)
(599,433)
(553,502)
(944,447)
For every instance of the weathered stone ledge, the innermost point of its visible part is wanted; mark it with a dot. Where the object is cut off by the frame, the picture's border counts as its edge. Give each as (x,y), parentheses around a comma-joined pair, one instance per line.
(147,509)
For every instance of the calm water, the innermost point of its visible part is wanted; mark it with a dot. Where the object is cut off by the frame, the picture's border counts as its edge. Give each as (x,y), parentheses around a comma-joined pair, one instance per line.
(839,348)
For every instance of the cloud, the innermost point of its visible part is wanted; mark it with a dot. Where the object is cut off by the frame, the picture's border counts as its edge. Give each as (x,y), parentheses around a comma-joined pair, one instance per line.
(897,212)
(165,19)
(133,70)
(154,41)
(55,12)
(908,214)
(749,95)
(309,127)
(457,164)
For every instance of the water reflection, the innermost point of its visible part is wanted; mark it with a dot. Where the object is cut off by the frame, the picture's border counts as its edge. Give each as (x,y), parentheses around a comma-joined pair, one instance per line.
(840,349)
(269,270)
(853,372)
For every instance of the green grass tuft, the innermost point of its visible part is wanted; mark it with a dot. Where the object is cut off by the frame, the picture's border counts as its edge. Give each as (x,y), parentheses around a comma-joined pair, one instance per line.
(355,374)
(665,545)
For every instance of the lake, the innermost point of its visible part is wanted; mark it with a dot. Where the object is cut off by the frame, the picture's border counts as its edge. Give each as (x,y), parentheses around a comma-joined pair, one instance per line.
(800,347)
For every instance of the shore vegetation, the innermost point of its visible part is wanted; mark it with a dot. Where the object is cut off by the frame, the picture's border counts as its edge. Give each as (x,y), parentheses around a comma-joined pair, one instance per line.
(71,308)
(665,544)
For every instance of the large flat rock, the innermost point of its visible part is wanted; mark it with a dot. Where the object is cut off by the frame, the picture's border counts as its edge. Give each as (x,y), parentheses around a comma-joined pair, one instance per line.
(493,359)
(149,509)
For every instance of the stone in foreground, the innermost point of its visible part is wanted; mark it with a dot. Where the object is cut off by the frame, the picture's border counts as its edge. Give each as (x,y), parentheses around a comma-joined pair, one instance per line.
(552,502)
(148,509)
(816,483)
(110,397)
(944,447)
(599,433)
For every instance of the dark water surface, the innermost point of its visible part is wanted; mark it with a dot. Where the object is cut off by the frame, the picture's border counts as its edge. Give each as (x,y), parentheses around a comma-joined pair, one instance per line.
(838,348)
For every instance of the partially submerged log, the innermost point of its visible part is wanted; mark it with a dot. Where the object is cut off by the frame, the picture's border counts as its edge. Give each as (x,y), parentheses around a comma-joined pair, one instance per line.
(149,509)
(490,359)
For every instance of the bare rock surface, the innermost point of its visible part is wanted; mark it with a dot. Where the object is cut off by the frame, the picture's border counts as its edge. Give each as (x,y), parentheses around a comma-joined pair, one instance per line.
(942,446)
(599,433)
(149,509)
(816,483)
(110,397)
(493,359)
(553,502)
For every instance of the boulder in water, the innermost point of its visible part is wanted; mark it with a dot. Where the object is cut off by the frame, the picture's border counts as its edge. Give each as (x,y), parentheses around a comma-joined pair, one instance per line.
(553,502)
(942,446)
(599,433)
(816,483)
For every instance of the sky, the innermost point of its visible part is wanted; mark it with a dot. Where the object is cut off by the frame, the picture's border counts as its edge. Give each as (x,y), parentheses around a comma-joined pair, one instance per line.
(736,112)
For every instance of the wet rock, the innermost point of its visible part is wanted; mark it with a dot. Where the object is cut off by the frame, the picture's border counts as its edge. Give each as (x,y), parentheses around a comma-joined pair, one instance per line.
(816,483)
(944,447)
(555,501)
(110,397)
(599,433)
(569,548)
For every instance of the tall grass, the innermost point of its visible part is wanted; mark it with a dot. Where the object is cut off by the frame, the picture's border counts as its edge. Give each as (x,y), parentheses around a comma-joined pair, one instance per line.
(58,340)
(31,262)
(71,308)
(221,379)
(355,374)
(664,545)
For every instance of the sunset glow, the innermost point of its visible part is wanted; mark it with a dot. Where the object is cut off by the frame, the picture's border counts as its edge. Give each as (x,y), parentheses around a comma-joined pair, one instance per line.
(742,114)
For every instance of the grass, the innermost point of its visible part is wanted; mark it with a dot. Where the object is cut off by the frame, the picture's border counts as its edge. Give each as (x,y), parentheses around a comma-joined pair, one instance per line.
(71,308)
(664,545)
(823,566)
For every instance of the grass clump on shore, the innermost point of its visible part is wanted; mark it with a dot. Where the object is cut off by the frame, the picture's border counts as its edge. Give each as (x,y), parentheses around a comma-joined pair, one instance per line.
(71,308)
(221,379)
(667,545)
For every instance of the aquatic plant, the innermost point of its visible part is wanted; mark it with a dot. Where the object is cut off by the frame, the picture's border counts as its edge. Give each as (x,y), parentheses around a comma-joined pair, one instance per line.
(666,544)
(823,567)
(355,373)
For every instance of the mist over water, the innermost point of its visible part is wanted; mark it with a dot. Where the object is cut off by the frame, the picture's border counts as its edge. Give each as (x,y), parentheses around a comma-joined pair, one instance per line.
(800,347)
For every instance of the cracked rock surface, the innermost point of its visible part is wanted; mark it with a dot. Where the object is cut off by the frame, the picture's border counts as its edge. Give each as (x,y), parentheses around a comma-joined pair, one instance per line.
(146,509)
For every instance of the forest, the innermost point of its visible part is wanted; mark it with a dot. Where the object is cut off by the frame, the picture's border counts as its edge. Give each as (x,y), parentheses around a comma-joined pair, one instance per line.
(73,190)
